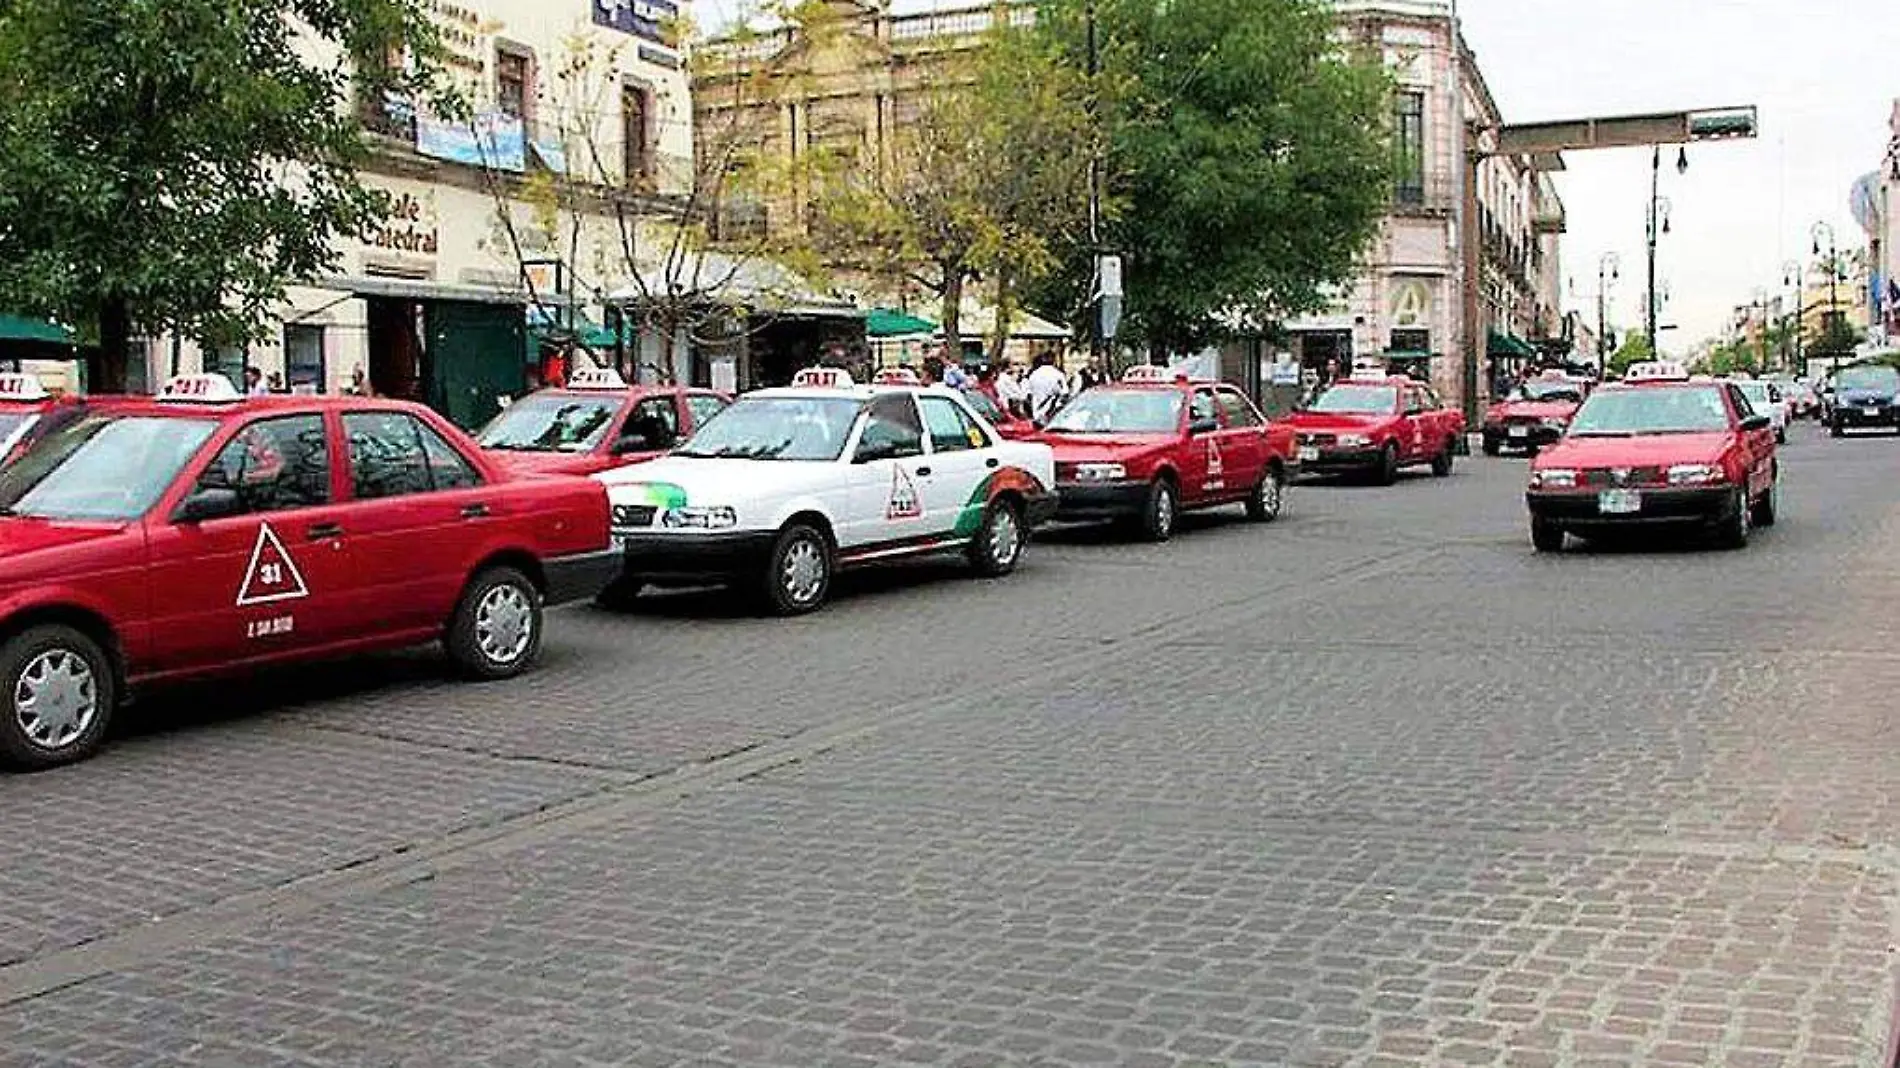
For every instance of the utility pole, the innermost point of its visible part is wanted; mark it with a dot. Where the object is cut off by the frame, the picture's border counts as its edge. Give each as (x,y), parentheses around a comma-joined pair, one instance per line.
(1608,270)
(1096,294)
(1794,273)
(1658,225)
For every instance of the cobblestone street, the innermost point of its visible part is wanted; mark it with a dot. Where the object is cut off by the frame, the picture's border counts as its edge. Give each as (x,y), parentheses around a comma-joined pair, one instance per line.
(1375,784)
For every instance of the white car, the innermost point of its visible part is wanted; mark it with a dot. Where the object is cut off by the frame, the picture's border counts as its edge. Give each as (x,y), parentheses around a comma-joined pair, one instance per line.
(787,486)
(1767,399)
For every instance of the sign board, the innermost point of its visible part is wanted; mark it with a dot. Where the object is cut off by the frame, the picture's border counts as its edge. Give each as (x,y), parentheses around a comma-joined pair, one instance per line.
(201,389)
(1147,372)
(897,376)
(490,139)
(822,378)
(596,378)
(651,20)
(22,387)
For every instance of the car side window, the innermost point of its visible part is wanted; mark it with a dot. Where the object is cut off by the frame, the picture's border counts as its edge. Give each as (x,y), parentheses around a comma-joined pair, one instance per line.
(1240,413)
(951,429)
(275,464)
(1415,400)
(1743,409)
(892,428)
(656,420)
(1203,407)
(704,406)
(393,454)
(1433,402)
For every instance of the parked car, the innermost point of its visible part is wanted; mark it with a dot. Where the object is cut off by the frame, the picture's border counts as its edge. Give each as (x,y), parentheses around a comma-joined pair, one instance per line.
(596,422)
(1863,395)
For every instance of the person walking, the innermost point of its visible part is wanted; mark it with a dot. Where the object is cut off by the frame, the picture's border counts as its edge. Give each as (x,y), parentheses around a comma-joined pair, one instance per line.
(1047,384)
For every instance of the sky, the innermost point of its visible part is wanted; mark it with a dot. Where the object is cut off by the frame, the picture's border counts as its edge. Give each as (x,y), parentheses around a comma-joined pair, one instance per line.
(1824,74)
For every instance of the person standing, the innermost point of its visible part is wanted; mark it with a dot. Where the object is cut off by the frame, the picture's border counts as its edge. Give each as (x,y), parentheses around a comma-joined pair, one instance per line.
(1010,392)
(1090,376)
(254,383)
(1047,384)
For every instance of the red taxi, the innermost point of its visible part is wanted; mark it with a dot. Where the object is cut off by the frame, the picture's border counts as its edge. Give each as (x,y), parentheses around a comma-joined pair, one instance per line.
(1659,449)
(1007,423)
(203,533)
(595,423)
(1378,424)
(29,412)
(1534,414)
(1144,449)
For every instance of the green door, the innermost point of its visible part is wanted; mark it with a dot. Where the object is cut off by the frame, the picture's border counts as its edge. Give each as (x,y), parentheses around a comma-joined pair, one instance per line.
(476,356)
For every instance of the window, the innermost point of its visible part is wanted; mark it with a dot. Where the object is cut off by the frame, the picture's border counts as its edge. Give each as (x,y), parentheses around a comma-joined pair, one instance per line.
(102,467)
(1743,408)
(230,362)
(951,429)
(303,359)
(1411,340)
(1408,141)
(657,421)
(1239,412)
(704,406)
(1415,400)
(275,464)
(393,455)
(1203,407)
(635,111)
(511,83)
(892,429)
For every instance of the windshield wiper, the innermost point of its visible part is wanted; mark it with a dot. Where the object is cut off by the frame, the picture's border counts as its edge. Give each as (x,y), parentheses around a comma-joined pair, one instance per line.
(1603,433)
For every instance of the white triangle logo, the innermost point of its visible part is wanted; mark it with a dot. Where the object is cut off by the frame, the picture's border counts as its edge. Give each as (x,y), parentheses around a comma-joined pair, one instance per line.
(1214,466)
(272,575)
(905,503)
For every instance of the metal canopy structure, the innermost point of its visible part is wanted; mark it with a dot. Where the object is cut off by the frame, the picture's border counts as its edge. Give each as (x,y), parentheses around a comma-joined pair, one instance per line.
(1545,142)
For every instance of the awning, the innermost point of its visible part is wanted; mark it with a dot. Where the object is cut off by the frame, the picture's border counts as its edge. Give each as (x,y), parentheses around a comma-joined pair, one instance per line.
(419,290)
(20,328)
(544,324)
(1406,354)
(1509,345)
(884,322)
(760,285)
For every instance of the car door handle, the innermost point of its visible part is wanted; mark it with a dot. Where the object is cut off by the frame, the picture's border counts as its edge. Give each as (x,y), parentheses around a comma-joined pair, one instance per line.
(323,531)
(923,472)
(474,511)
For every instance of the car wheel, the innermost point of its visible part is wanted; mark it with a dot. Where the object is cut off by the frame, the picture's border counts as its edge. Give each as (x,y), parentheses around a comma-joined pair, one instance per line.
(999,542)
(797,575)
(1781,435)
(1546,537)
(495,632)
(1268,498)
(1164,506)
(1441,464)
(1736,527)
(621,594)
(60,693)
(1491,446)
(1835,428)
(1768,508)
(1388,471)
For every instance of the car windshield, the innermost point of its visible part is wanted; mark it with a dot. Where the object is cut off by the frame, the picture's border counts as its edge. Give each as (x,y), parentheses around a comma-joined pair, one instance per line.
(1121,411)
(14,424)
(1651,410)
(1358,398)
(777,428)
(1875,377)
(1550,392)
(551,422)
(103,467)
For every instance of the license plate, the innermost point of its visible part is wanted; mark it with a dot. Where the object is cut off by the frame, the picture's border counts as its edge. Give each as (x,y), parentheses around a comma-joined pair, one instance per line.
(1520,432)
(1619,502)
(1309,452)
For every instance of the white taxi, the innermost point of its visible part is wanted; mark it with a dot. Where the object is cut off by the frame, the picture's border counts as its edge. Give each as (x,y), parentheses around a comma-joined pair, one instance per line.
(787,486)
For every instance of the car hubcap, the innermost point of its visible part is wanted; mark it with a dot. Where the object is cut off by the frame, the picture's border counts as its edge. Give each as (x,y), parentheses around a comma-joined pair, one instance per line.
(1164,511)
(1005,539)
(1270,494)
(804,571)
(504,624)
(56,698)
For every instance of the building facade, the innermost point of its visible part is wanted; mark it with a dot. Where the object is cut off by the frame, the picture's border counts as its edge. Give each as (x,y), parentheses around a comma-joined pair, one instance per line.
(1883,242)
(491,218)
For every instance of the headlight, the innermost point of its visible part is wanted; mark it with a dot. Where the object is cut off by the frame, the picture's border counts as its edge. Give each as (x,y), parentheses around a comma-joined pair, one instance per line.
(1554,478)
(1555,423)
(699,518)
(1694,475)
(1100,472)
(1355,441)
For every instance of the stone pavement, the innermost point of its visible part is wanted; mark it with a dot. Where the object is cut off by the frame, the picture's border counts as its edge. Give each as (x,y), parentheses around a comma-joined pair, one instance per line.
(1376,785)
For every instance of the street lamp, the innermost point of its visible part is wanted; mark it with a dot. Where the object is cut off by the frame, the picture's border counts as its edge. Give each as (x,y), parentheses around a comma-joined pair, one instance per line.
(1793,273)
(1824,233)
(1658,225)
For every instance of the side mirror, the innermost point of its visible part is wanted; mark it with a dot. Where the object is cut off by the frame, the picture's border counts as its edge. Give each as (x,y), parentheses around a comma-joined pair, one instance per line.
(209,502)
(873,451)
(1757,422)
(1204,426)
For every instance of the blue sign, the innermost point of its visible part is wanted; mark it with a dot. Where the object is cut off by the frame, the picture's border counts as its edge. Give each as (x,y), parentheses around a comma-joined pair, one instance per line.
(650,19)
(493,140)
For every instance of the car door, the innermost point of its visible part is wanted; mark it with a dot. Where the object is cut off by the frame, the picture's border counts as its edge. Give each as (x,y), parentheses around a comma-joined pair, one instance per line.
(271,578)
(1758,446)
(889,479)
(1416,417)
(1199,460)
(419,514)
(1243,441)
(962,455)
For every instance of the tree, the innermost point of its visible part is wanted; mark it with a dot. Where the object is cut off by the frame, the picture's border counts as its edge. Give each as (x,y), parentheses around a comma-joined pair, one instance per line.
(175,165)
(1836,340)
(988,181)
(1635,349)
(1249,152)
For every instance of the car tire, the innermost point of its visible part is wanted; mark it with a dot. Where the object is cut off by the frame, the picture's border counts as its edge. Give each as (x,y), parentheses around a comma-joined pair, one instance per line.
(1781,435)
(1268,498)
(1163,509)
(999,542)
(1768,508)
(1835,429)
(77,680)
(1491,446)
(1546,537)
(1387,472)
(495,632)
(620,595)
(1738,524)
(797,578)
(1441,464)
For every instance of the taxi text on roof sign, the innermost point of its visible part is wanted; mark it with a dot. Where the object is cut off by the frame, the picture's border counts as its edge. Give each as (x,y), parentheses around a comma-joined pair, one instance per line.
(897,376)
(200,389)
(1657,371)
(596,378)
(22,387)
(822,378)
(1148,372)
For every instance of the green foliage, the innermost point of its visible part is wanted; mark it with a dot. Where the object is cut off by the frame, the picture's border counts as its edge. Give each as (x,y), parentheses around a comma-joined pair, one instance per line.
(1635,349)
(174,163)
(1249,152)
(1836,339)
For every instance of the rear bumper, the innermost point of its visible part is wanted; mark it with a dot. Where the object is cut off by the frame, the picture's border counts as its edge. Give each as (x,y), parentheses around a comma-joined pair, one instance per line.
(579,577)
(699,557)
(1863,415)
(1660,507)
(1101,500)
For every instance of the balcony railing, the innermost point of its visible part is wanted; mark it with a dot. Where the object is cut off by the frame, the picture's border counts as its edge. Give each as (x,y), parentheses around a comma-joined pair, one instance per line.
(1423,194)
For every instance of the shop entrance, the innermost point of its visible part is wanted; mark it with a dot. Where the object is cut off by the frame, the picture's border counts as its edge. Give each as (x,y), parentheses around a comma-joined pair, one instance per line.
(458,357)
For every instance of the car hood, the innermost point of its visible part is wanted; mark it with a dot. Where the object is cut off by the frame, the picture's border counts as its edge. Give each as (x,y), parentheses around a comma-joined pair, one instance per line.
(1081,448)
(677,481)
(1339,422)
(1653,450)
(1533,410)
(517,462)
(28,545)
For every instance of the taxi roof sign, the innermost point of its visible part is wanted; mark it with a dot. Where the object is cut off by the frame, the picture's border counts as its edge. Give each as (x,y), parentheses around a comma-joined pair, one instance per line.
(1657,371)
(897,376)
(200,389)
(596,378)
(15,386)
(1148,372)
(823,378)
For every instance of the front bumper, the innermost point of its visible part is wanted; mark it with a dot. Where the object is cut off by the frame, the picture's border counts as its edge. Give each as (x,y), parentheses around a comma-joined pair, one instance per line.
(578,577)
(1341,460)
(697,557)
(1579,509)
(1101,500)
(1534,436)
